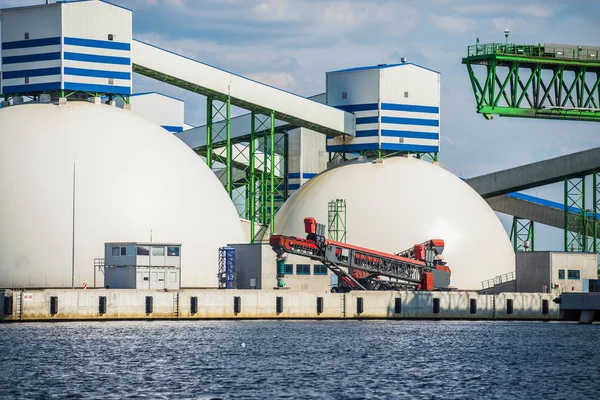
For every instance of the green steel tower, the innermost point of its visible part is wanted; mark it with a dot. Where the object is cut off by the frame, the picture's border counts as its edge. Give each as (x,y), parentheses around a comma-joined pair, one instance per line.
(336,220)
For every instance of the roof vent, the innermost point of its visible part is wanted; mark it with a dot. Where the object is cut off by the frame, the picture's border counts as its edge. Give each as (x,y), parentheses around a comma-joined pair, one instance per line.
(403,60)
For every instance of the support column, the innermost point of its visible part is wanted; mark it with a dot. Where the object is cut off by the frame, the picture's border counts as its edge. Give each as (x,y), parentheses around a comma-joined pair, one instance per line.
(575,229)
(522,234)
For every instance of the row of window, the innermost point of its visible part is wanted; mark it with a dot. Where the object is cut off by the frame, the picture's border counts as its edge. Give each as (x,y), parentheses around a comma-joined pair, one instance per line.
(172,251)
(571,274)
(304,269)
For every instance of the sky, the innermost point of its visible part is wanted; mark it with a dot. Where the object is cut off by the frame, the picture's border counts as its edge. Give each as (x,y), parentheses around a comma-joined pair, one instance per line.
(291,44)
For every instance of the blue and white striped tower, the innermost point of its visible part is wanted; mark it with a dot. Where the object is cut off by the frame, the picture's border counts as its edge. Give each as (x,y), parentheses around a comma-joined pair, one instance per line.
(65,48)
(397,108)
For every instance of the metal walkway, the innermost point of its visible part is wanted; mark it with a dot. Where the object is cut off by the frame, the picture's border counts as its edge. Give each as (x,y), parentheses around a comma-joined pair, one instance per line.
(218,84)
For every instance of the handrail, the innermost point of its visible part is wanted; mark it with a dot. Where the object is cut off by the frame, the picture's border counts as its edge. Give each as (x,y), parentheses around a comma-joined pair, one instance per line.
(509,276)
(539,50)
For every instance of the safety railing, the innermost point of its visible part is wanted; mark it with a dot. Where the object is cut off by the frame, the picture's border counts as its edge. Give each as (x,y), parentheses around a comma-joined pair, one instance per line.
(510,276)
(543,51)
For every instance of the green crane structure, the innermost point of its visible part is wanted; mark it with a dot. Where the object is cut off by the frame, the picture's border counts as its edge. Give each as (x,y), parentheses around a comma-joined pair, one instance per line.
(535,81)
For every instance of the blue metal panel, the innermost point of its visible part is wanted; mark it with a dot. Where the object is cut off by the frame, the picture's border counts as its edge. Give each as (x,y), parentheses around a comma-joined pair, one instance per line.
(367,120)
(353,147)
(91,88)
(409,147)
(367,133)
(410,108)
(294,186)
(96,73)
(409,134)
(31,58)
(99,44)
(30,73)
(97,59)
(175,129)
(359,107)
(34,87)
(410,121)
(23,44)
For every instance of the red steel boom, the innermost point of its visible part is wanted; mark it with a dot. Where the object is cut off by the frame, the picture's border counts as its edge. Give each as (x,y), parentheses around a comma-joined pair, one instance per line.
(419,267)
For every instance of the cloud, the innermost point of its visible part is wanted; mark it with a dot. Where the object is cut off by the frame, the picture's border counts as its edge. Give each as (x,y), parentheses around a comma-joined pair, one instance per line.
(452,24)
(281,80)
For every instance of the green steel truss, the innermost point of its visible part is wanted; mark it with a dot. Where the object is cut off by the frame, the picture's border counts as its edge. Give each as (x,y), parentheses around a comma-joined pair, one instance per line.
(252,168)
(528,81)
(581,233)
(336,220)
(522,234)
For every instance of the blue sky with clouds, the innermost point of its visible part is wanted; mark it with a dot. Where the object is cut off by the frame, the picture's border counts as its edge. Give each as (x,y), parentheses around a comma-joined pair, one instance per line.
(292,43)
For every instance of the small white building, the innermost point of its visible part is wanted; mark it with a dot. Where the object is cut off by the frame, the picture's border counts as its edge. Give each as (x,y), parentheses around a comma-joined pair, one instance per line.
(556,272)
(256,268)
(142,265)
(161,109)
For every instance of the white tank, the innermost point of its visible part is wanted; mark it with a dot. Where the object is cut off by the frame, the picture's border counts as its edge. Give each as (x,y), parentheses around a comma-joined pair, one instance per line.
(403,201)
(132,178)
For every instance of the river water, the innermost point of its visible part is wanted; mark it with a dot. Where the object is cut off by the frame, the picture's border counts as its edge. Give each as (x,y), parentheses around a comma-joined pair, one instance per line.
(300,360)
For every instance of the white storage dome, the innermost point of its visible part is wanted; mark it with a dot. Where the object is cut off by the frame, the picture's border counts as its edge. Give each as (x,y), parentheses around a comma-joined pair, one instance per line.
(132,178)
(403,201)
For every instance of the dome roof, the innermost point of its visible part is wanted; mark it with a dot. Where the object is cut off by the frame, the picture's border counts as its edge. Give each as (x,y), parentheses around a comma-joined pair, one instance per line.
(403,201)
(133,181)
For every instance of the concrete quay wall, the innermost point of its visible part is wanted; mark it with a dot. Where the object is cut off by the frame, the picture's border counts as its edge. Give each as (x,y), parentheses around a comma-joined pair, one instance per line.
(79,304)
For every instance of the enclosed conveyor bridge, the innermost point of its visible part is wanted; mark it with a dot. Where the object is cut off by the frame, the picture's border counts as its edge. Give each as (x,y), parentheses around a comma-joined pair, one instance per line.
(197,77)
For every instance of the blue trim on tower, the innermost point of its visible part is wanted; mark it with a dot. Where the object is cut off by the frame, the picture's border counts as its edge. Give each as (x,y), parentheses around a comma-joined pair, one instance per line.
(97,59)
(410,108)
(410,121)
(174,129)
(410,134)
(367,133)
(367,120)
(97,44)
(91,88)
(33,87)
(305,175)
(409,147)
(24,44)
(31,58)
(358,107)
(96,73)
(353,147)
(293,186)
(30,73)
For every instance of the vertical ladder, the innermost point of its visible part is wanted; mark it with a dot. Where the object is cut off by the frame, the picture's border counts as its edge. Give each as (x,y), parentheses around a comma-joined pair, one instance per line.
(343,305)
(19,305)
(494,306)
(176,305)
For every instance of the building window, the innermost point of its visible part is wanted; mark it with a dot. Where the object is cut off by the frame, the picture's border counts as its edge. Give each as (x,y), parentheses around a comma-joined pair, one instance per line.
(573,274)
(302,269)
(320,269)
(111,37)
(143,251)
(561,274)
(173,251)
(123,251)
(289,269)
(344,95)
(26,79)
(405,95)
(111,81)
(116,251)
(26,35)
(158,251)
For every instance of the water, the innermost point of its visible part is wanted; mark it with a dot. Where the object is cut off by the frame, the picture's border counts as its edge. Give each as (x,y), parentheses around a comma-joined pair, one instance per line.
(300,360)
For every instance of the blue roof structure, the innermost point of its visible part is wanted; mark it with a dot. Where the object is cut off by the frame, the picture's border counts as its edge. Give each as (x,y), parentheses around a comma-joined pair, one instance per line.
(381,66)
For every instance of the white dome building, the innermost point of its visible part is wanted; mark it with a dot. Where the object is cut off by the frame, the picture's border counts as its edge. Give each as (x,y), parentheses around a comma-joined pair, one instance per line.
(132,178)
(403,201)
